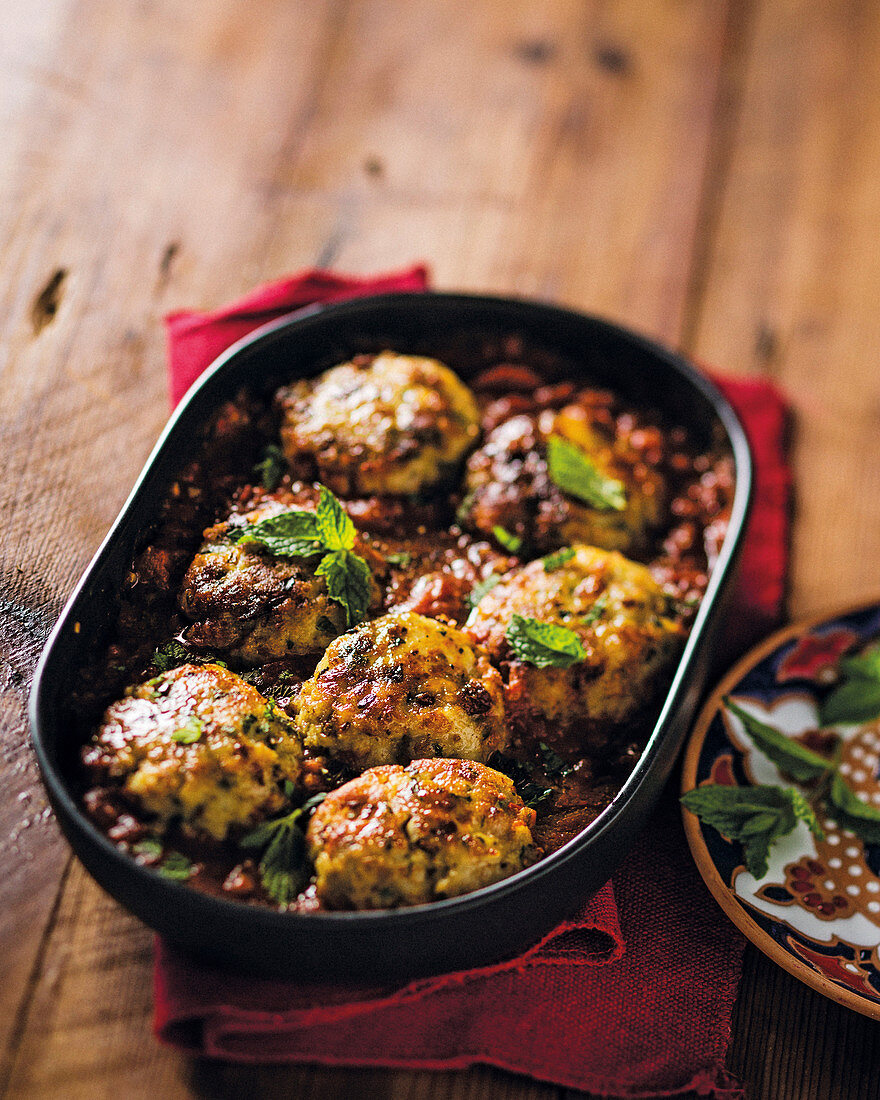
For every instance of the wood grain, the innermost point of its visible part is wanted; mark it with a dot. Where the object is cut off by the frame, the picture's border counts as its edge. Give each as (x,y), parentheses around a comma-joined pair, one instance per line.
(784,287)
(792,274)
(703,171)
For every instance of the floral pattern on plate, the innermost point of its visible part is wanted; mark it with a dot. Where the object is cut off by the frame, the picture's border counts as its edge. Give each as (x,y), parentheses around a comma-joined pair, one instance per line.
(816,910)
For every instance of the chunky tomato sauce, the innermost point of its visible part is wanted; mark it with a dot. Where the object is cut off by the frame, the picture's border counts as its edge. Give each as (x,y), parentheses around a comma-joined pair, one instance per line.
(431,563)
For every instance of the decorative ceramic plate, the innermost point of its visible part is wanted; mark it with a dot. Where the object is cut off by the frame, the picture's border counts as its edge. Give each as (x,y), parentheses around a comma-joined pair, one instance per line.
(816,910)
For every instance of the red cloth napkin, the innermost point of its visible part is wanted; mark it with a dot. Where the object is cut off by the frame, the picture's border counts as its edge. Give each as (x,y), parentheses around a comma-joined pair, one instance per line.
(632,996)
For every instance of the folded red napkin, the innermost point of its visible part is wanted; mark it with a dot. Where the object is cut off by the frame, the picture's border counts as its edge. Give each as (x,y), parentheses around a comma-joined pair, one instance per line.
(629,998)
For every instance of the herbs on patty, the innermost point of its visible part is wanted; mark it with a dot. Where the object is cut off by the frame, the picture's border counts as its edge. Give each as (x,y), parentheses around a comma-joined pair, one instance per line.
(544,645)
(578,475)
(328,532)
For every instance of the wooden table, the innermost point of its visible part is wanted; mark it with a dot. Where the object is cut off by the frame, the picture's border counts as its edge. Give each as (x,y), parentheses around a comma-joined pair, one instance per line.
(704,171)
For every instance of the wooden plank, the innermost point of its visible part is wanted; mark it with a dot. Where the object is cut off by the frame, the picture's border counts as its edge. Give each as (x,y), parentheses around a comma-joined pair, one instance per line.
(793,276)
(117,159)
(554,149)
(557,151)
(791,1043)
(787,288)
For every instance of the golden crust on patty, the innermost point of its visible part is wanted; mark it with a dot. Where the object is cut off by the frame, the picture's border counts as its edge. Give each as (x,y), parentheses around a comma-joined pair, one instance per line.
(388,424)
(411,835)
(508,484)
(257,606)
(201,746)
(623,621)
(399,688)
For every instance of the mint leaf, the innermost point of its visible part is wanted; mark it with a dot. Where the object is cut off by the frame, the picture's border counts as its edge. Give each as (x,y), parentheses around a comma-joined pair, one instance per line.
(334,527)
(554,765)
(863,665)
(857,697)
(855,700)
(531,791)
(577,474)
(270,469)
(189,732)
(554,561)
(596,611)
(544,645)
(790,756)
(852,813)
(170,655)
(507,539)
(148,850)
(328,531)
(402,558)
(348,579)
(481,588)
(755,816)
(176,867)
(283,864)
(292,534)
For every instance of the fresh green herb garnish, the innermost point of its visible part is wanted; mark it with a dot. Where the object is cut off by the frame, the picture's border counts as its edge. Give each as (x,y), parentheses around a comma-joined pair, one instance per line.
(529,789)
(596,611)
(756,816)
(170,655)
(327,531)
(149,849)
(481,588)
(544,645)
(270,469)
(173,654)
(335,528)
(282,866)
(553,763)
(507,539)
(463,511)
(176,866)
(857,697)
(292,534)
(576,473)
(348,580)
(850,812)
(402,559)
(761,814)
(557,559)
(190,732)
(788,755)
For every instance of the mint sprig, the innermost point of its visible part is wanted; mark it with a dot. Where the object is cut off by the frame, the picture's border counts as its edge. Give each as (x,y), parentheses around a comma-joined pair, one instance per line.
(283,864)
(755,816)
(857,697)
(788,755)
(270,469)
(348,580)
(759,815)
(578,475)
(327,531)
(292,534)
(544,645)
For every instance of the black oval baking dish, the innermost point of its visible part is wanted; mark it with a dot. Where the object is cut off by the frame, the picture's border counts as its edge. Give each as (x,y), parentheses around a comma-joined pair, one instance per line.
(467,931)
